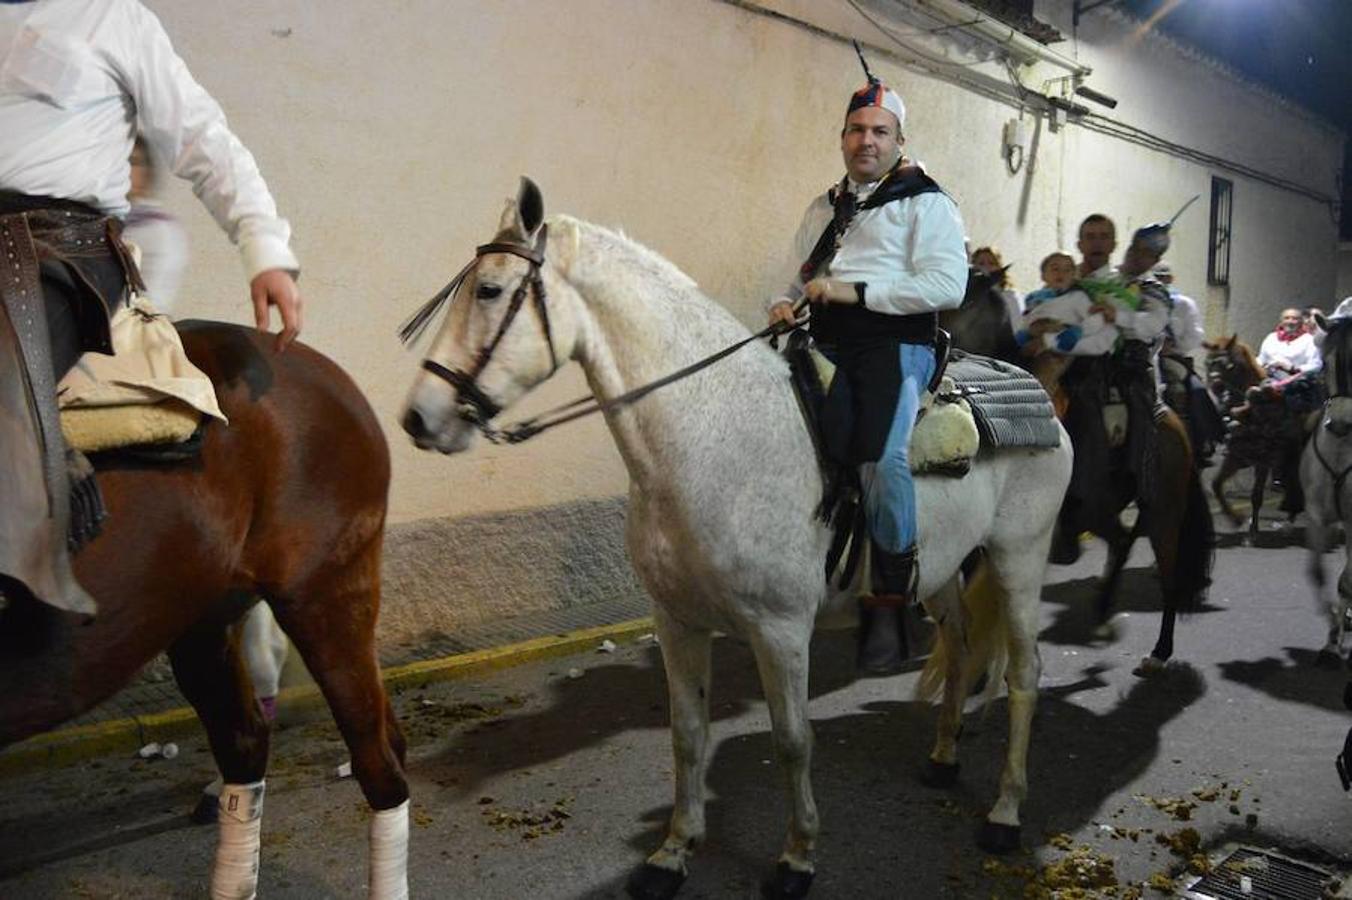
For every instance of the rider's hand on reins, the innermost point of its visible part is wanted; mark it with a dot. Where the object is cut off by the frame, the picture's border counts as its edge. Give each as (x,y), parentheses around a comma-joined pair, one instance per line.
(277,287)
(829,290)
(786,316)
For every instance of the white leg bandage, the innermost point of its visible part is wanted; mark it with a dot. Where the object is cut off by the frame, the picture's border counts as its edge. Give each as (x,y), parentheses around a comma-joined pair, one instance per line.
(389,853)
(240,815)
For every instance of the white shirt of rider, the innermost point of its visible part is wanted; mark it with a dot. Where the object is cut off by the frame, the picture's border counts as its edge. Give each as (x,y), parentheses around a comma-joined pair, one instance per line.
(909,252)
(1300,354)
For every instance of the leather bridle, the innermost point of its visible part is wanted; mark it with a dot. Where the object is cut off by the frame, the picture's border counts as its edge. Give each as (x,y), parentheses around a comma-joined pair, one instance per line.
(478,409)
(475,406)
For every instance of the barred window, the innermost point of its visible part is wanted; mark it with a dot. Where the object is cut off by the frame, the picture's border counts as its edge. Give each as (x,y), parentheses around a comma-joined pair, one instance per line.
(1218,248)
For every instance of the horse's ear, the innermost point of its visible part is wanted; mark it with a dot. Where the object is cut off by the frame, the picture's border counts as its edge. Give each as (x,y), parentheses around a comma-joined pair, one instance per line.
(1321,320)
(530,206)
(524,216)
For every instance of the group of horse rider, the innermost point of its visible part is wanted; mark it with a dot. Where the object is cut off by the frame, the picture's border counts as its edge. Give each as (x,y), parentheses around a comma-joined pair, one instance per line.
(877,257)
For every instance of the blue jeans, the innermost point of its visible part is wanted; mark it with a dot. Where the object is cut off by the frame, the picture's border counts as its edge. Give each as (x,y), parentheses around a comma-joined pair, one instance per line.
(889,491)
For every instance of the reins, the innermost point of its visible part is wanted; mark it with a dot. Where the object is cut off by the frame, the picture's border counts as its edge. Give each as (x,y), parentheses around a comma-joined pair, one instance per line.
(478,409)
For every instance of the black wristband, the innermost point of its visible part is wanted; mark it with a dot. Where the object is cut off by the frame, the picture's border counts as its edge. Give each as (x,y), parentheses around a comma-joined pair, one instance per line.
(859,287)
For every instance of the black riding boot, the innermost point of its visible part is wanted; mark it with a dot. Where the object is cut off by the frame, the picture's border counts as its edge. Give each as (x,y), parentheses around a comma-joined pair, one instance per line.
(882,631)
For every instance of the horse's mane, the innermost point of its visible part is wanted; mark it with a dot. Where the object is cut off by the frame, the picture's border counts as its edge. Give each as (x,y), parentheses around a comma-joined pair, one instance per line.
(607,261)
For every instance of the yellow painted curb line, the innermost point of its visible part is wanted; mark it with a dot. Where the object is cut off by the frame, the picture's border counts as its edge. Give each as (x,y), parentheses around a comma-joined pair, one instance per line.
(129,735)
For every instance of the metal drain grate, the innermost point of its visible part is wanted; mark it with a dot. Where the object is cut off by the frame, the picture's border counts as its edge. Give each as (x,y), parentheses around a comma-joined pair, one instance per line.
(1267,875)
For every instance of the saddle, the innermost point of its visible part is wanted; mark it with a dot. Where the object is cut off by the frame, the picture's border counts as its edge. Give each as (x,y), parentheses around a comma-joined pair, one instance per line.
(970,402)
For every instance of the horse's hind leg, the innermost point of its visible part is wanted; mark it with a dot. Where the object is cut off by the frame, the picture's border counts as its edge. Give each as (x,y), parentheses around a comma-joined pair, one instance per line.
(685,655)
(331,620)
(1017,590)
(210,671)
(941,769)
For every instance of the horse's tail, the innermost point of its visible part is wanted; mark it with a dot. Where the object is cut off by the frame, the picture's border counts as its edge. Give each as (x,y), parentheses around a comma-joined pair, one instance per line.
(1196,547)
(985,632)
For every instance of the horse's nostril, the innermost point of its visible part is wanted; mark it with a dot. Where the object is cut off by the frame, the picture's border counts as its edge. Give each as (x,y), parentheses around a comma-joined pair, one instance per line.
(414,424)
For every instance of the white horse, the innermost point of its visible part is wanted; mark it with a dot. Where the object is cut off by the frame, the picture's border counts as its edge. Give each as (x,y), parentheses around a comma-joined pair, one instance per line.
(724,483)
(1324,468)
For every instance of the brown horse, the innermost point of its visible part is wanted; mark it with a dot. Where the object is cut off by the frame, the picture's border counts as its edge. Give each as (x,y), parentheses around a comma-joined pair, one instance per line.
(981,324)
(287,503)
(1264,435)
(1180,531)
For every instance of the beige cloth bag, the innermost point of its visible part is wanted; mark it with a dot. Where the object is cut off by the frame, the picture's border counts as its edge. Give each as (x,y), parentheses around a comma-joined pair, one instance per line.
(149,366)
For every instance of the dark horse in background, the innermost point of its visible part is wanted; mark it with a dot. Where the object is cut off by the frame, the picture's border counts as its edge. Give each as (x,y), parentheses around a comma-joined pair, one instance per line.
(1181,532)
(286,503)
(1266,428)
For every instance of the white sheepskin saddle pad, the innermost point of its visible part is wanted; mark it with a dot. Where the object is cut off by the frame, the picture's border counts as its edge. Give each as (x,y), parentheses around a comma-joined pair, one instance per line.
(148,392)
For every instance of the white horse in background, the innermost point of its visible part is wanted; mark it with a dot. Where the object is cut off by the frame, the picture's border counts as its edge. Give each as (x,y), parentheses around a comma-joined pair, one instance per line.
(1324,468)
(724,484)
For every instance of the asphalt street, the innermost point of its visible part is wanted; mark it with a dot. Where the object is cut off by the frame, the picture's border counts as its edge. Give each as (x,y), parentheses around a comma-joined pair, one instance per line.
(541,782)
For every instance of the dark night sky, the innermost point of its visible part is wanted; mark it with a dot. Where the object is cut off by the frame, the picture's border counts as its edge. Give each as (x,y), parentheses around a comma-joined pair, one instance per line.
(1300,48)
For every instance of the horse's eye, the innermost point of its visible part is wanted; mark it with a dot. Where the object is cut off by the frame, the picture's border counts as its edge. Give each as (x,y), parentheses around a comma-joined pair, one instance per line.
(487,291)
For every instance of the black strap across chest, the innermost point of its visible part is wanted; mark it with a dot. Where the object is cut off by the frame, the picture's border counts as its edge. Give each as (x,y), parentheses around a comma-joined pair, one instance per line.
(900,184)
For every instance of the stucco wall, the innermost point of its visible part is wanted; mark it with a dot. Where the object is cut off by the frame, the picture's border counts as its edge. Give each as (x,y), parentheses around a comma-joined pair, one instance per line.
(391,134)
(1344,270)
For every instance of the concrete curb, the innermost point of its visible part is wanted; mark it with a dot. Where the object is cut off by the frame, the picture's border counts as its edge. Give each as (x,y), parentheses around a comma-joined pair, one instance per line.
(127,736)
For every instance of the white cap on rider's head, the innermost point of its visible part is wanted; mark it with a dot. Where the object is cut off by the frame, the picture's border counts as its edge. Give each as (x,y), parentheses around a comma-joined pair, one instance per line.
(875,93)
(1163,270)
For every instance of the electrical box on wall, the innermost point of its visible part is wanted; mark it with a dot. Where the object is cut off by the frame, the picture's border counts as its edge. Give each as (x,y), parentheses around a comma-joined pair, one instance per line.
(1016,133)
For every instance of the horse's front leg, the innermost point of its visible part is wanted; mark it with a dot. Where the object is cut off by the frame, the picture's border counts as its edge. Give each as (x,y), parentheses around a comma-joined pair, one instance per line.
(685,655)
(1338,615)
(1228,468)
(1119,542)
(781,650)
(1261,471)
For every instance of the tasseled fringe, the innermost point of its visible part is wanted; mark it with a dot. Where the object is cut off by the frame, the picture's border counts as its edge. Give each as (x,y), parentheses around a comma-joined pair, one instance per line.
(417,323)
(87,511)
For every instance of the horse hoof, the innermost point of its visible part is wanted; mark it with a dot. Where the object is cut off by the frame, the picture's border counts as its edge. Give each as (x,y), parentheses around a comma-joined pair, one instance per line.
(939,775)
(996,838)
(649,882)
(204,813)
(1328,659)
(1149,667)
(1109,631)
(787,883)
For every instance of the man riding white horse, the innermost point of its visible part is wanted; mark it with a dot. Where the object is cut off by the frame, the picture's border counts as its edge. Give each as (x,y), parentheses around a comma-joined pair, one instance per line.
(81,79)
(882,253)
